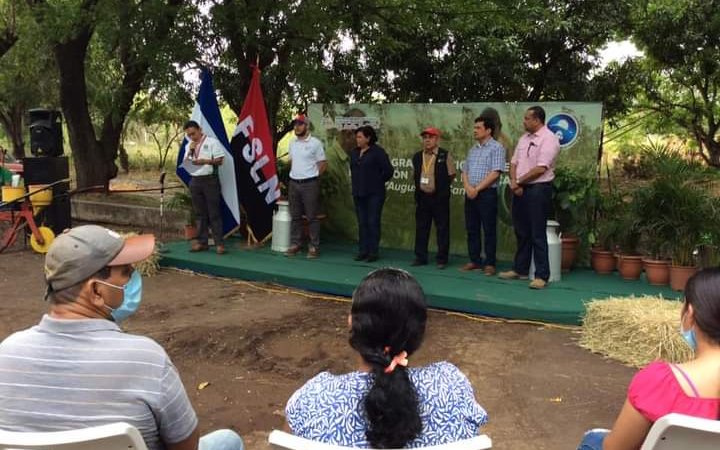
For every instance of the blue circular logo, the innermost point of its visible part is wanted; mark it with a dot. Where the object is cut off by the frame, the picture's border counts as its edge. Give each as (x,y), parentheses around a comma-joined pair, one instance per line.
(565,127)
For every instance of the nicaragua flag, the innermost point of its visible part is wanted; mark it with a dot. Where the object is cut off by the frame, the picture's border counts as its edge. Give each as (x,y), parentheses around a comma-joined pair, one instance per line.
(207,114)
(255,162)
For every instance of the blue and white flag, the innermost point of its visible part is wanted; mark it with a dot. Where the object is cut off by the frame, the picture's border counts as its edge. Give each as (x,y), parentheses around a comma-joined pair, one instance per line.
(207,114)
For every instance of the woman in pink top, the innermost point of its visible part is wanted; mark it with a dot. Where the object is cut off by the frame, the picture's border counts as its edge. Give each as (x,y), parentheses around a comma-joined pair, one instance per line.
(692,388)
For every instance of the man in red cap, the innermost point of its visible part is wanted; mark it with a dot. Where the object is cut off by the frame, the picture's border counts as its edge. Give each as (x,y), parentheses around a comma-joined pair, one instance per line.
(434,171)
(307,163)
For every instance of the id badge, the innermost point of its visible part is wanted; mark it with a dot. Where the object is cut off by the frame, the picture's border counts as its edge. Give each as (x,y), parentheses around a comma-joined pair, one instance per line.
(424,180)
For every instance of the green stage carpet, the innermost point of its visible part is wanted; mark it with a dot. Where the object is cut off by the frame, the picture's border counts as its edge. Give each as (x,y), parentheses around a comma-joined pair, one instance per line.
(335,272)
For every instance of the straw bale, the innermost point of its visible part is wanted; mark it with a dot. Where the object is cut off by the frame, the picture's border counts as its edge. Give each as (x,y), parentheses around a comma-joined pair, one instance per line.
(150,266)
(634,330)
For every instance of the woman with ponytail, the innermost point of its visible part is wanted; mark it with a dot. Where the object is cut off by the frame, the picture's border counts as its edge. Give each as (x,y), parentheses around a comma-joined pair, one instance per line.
(387,403)
(691,388)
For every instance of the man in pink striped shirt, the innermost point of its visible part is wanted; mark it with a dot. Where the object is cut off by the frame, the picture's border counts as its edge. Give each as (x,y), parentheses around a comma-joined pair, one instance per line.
(531,176)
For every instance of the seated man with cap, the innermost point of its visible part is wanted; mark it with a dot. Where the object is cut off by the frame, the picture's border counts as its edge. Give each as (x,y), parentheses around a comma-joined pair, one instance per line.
(78,369)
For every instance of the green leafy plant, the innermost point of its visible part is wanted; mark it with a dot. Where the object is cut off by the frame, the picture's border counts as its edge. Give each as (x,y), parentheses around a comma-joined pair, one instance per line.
(676,210)
(575,200)
(182,201)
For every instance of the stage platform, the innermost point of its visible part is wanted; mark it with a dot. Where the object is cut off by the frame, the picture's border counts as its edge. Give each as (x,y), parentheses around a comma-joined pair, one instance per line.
(336,273)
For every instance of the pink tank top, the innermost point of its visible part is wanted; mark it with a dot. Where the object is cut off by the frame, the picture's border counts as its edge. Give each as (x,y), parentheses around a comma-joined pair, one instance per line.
(654,392)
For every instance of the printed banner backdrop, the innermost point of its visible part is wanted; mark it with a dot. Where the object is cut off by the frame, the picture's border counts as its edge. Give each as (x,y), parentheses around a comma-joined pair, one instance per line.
(578,125)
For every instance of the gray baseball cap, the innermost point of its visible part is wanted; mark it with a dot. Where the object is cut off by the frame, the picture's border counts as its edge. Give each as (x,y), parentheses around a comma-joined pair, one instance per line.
(81,252)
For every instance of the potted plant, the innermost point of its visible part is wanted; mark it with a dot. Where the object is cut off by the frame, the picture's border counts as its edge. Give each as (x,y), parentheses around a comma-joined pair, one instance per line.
(182,201)
(679,211)
(605,233)
(691,213)
(649,203)
(575,199)
(628,235)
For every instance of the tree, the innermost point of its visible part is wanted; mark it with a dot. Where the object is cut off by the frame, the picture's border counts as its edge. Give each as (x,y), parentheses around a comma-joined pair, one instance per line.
(681,76)
(8,30)
(27,79)
(121,45)
(162,118)
(461,50)
(287,38)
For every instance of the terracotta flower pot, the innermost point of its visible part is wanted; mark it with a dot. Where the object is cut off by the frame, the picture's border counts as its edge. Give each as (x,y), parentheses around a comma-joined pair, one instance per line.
(630,267)
(657,272)
(602,261)
(569,252)
(190,232)
(679,276)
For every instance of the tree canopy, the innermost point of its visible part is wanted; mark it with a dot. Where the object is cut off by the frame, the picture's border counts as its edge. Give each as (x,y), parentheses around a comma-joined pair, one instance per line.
(106,61)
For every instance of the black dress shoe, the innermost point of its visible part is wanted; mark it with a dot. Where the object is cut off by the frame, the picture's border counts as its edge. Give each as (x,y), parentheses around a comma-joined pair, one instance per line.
(372,258)
(418,262)
(360,257)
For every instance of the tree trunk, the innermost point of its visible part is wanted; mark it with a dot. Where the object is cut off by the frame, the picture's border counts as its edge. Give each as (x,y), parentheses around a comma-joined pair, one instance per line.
(713,150)
(8,38)
(13,123)
(92,166)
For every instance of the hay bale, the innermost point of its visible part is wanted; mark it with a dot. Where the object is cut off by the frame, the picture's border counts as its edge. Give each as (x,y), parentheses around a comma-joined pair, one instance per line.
(150,266)
(635,330)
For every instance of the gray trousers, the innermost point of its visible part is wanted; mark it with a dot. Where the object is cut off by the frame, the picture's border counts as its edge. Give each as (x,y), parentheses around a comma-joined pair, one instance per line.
(304,199)
(205,192)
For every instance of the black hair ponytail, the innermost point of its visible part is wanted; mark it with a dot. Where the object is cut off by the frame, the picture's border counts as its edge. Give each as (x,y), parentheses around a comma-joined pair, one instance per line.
(388,317)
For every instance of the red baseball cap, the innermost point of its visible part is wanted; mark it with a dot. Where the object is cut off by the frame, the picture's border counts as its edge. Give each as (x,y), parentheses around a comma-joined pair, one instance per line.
(432,131)
(301,118)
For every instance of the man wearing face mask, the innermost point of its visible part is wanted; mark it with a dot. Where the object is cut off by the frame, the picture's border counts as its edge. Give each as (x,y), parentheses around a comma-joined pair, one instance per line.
(78,369)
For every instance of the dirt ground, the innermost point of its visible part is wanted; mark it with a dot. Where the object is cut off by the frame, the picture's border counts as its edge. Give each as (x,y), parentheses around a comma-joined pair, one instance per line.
(255,348)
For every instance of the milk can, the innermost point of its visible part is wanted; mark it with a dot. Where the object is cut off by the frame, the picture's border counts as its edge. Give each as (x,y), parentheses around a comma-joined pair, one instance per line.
(554,252)
(281,227)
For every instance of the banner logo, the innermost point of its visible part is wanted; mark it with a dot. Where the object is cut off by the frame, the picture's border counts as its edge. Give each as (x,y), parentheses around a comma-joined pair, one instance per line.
(565,127)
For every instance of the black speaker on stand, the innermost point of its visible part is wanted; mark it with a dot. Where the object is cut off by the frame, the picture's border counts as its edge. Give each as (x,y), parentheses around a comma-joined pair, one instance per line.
(46,170)
(46,138)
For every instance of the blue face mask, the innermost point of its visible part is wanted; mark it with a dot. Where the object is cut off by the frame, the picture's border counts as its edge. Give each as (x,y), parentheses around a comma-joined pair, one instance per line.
(689,337)
(132,295)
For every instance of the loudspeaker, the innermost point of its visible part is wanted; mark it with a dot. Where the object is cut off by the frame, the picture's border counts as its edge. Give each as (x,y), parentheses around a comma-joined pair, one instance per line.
(46,137)
(46,170)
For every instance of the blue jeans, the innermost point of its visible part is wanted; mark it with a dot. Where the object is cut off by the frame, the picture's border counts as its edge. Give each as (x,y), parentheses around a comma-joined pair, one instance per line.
(593,439)
(369,213)
(221,440)
(481,212)
(530,213)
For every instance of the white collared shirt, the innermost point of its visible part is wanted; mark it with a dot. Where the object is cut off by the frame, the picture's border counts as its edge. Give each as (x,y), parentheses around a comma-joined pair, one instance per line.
(210,148)
(305,154)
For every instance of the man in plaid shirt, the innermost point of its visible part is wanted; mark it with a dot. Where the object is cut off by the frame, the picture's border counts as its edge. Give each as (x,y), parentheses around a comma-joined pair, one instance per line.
(481,170)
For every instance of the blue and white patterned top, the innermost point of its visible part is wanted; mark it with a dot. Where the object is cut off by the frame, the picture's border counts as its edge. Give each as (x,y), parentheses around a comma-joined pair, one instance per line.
(483,159)
(329,408)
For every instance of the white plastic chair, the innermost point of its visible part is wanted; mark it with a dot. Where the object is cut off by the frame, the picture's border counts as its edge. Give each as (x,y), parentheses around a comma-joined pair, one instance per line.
(678,431)
(115,436)
(281,440)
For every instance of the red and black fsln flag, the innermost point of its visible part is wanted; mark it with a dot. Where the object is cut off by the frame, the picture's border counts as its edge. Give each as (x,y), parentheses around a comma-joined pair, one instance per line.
(257,181)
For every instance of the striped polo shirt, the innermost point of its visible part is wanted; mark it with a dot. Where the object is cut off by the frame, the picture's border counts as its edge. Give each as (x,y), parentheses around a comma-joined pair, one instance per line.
(69,374)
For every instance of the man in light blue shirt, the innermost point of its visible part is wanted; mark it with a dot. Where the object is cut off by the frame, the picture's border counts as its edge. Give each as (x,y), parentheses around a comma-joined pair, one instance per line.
(78,369)
(481,170)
